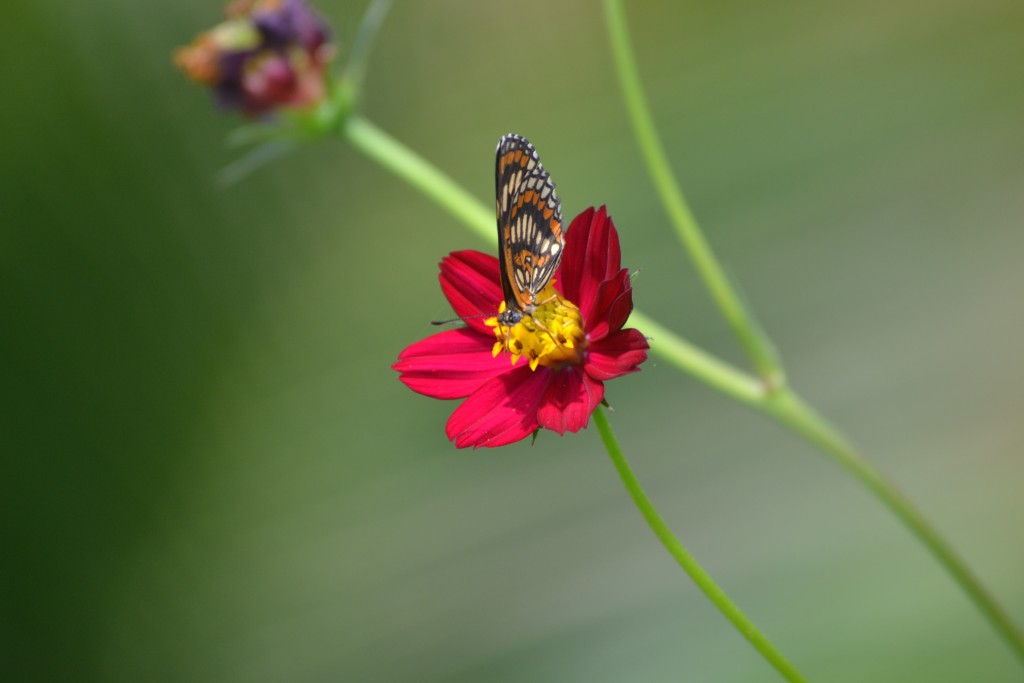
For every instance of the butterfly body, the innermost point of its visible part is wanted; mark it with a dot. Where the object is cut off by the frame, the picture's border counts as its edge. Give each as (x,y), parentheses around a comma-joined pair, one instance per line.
(530,239)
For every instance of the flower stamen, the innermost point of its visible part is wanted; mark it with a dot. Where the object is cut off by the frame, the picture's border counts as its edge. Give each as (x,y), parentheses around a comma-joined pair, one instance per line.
(552,335)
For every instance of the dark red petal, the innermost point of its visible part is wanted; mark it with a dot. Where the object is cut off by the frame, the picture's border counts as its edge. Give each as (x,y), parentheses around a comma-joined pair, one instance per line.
(571,269)
(469,279)
(450,364)
(616,355)
(502,411)
(591,256)
(570,399)
(573,256)
(610,308)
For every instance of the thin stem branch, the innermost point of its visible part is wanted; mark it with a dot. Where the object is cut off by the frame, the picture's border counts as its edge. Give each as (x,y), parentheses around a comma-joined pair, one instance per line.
(755,343)
(707,585)
(780,403)
(359,55)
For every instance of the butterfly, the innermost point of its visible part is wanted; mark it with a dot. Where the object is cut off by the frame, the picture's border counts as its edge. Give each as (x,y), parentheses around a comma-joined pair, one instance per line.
(530,240)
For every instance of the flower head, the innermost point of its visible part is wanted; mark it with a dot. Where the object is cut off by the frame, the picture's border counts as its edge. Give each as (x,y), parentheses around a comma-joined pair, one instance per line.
(546,370)
(268,55)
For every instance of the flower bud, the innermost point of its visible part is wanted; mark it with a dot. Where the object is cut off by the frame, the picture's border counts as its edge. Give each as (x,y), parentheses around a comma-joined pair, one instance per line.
(269,55)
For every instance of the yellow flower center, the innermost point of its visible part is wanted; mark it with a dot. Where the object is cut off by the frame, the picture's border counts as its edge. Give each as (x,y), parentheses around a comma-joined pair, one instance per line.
(552,335)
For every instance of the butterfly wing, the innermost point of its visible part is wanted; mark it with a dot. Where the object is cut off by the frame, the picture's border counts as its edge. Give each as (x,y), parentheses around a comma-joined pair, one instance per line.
(529,222)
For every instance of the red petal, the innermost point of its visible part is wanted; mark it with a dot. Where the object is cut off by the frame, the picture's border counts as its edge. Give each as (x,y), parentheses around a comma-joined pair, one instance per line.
(502,411)
(450,364)
(591,256)
(610,308)
(616,355)
(470,281)
(570,399)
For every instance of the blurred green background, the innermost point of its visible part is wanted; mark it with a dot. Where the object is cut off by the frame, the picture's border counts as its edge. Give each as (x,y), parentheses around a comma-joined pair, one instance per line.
(210,472)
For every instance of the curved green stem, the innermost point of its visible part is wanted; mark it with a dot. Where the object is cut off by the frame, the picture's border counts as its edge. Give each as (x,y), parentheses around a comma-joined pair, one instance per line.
(755,343)
(707,585)
(789,409)
(359,56)
(779,402)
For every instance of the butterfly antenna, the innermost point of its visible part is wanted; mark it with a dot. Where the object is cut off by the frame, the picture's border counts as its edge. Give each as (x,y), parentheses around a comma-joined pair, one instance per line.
(457,320)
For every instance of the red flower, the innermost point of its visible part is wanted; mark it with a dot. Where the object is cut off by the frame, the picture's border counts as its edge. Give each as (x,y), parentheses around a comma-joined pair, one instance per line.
(579,345)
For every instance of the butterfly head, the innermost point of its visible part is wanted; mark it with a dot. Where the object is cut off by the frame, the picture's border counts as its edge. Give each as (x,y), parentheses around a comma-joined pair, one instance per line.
(510,317)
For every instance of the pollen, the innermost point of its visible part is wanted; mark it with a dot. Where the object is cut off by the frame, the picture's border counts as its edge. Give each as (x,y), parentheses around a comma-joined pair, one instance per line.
(552,335)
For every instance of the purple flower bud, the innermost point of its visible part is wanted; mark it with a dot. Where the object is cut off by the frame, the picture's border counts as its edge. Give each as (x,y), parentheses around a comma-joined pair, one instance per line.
(269,55)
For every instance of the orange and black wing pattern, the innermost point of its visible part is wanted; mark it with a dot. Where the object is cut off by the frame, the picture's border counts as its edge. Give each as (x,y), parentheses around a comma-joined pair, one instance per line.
(530,237)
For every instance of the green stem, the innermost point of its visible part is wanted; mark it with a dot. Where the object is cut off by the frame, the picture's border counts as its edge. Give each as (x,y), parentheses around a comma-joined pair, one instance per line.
(789,409)
(756,345)
(780,403)
(712,590)
(716,373)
